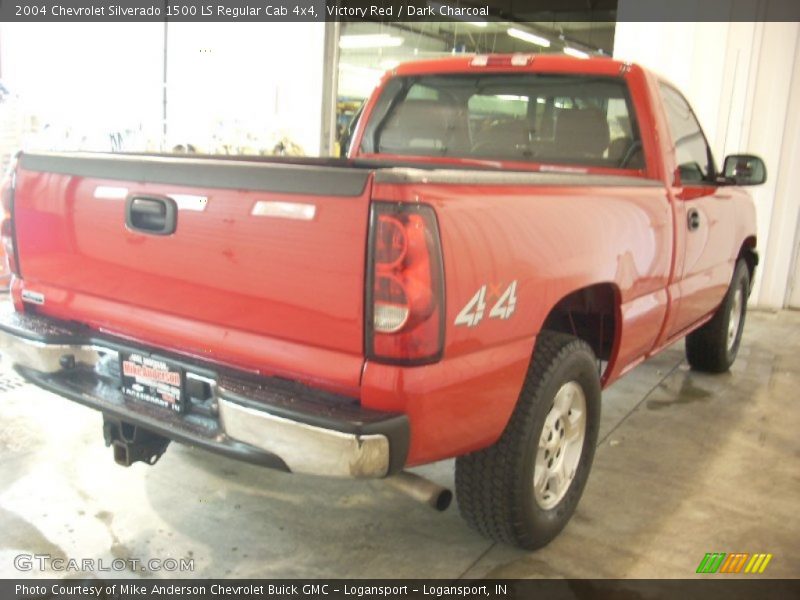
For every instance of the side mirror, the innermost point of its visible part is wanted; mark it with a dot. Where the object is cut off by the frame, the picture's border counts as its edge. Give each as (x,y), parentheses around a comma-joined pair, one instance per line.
(744,169)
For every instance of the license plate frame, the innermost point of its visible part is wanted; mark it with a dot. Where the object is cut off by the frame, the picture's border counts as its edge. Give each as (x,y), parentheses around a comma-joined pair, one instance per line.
(152,380)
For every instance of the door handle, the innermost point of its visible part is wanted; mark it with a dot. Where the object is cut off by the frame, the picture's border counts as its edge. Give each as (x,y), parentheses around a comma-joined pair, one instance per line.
(693,219)
(156,215)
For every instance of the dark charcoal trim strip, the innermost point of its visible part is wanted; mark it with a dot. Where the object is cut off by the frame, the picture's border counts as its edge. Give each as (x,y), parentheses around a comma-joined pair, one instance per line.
(474,177)
(277,177)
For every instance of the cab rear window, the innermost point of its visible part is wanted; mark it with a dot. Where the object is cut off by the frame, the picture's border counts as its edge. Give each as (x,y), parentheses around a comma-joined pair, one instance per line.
(569,119)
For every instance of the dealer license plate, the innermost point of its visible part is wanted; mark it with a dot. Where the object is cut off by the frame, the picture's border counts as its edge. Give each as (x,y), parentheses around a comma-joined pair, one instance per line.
(152,380)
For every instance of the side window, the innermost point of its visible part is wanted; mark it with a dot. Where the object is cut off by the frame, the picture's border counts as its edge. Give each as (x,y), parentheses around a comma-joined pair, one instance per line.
(498,124)
(619,122)
(498,105)
(695,163)
(422,92)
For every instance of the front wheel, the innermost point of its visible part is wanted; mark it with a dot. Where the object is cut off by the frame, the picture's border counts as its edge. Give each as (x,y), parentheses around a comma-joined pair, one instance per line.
(714,346)
(524,489)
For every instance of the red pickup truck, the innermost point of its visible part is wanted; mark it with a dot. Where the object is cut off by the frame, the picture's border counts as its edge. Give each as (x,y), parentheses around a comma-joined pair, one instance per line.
(509,235)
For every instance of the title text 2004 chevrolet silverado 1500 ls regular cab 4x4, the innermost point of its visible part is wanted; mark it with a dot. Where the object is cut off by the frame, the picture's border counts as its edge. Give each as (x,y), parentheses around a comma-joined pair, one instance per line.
(509,235)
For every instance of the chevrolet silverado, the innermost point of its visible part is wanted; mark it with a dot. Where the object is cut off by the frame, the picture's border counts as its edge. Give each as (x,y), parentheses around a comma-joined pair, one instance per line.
(508,235)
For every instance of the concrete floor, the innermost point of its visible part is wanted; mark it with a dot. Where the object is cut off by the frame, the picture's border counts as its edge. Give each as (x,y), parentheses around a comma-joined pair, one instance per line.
(687,464)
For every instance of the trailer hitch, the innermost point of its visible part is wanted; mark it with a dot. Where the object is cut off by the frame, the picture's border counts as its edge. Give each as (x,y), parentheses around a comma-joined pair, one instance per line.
(131,443)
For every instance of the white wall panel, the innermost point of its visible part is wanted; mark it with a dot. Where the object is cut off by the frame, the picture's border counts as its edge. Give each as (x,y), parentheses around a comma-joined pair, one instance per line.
(784,233)
(742,80)
(769,135)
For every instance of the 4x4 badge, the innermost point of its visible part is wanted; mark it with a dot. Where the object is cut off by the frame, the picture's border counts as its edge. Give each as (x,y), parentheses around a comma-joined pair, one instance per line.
(504,307)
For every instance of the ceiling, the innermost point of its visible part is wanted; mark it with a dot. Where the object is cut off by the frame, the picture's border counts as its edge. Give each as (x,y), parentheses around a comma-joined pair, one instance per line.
(361,67)
(491,36)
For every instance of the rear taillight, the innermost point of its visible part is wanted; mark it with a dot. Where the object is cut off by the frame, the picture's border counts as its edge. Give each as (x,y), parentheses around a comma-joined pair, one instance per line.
(7,233)
(405,285)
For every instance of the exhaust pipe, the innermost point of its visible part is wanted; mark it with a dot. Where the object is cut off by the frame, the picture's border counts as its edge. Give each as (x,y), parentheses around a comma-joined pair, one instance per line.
(422,490)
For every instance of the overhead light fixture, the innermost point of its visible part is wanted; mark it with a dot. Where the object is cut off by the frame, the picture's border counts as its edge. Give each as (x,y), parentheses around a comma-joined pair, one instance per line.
(575,52)
(370,40)
(528,37)
(477,23)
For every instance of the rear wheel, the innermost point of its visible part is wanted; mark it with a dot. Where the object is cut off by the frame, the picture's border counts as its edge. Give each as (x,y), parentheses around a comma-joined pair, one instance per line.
(714,346)
(524,489)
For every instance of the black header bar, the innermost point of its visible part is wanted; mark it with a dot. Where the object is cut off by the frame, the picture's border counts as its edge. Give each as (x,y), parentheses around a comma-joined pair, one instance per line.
(712,588)
(388,11)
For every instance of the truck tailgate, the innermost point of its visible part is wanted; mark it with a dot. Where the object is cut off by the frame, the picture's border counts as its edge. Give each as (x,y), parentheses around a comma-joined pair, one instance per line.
(264,269)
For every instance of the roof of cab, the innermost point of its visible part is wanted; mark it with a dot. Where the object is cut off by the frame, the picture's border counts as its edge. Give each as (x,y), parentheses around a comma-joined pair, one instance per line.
(541,63)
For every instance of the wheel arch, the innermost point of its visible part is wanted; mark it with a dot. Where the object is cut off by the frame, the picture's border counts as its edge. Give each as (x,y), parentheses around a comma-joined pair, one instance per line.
(593,314)
(748,253)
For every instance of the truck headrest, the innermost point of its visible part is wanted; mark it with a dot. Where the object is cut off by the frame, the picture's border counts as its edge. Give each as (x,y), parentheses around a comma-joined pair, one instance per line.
(424,125)
(581,133)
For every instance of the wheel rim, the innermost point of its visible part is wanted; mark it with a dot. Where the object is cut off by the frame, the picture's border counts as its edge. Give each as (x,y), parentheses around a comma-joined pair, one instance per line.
(735,318)
(560,445)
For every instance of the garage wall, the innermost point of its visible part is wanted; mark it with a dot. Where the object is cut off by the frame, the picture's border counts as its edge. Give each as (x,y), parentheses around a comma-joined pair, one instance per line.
(743,80)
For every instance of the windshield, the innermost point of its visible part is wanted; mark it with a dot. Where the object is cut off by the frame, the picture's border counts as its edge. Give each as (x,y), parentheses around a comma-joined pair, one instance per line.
(564,119)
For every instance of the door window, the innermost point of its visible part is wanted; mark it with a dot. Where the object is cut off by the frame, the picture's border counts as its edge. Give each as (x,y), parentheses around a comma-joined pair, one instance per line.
(695,162)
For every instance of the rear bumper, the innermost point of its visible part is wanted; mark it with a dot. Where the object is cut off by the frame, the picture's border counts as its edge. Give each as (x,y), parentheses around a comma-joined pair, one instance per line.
(268,421)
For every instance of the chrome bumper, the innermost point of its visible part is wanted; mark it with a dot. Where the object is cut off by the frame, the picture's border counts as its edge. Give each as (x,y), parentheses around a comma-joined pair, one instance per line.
(44,357)
(306,448)
(247,417)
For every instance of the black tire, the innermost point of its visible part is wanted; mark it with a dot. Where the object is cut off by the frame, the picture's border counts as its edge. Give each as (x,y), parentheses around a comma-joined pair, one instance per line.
(710,348)
(495,486)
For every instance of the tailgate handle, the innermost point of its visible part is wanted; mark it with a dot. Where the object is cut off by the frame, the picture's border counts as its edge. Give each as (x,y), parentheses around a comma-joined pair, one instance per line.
(156,215)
